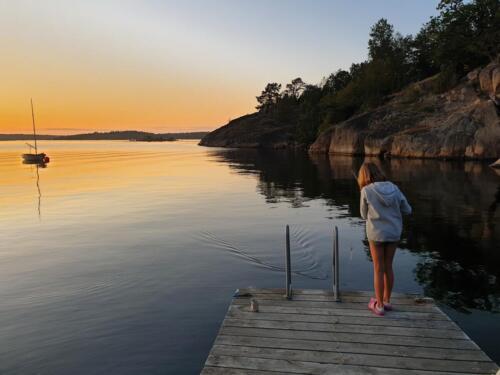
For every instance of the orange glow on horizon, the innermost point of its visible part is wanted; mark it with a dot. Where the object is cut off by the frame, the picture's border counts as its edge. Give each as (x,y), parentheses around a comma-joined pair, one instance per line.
(77,105)
(156,115)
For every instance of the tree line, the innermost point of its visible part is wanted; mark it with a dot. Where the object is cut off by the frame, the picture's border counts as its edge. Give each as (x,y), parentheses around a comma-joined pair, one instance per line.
(463,36)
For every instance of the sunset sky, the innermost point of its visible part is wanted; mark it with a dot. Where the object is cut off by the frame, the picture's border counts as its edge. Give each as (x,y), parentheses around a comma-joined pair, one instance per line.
(172,65)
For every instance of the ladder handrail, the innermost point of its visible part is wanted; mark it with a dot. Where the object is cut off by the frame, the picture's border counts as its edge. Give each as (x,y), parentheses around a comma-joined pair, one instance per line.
(335,265)
(288,285)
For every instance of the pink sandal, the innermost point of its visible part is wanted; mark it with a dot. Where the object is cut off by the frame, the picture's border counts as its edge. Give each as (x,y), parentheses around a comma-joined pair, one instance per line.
(372,305)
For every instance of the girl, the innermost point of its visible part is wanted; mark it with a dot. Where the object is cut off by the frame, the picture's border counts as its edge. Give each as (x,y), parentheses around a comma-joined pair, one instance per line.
(382,206)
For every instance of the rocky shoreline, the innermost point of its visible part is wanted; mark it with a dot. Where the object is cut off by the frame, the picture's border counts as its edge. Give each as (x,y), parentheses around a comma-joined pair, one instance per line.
(252,131)
(462,123)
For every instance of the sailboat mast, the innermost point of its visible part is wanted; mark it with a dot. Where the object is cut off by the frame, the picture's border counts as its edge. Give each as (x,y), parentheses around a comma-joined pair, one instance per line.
(34,131)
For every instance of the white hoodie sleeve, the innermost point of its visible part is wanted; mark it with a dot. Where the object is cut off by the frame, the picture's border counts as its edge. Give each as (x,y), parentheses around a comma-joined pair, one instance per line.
(363,205)
(405,206)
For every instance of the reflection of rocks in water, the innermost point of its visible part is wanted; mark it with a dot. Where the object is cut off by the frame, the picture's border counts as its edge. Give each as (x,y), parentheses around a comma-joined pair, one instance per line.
(338,178)
(455,224)
(489,228)
(459,286)
(283,175)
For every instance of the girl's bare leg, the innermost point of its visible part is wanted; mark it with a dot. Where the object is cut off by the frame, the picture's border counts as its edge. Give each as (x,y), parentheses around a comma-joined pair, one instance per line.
(377,252)
(390,250)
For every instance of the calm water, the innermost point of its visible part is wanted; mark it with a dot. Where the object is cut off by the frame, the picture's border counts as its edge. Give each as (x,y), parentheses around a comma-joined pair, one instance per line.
(124,257)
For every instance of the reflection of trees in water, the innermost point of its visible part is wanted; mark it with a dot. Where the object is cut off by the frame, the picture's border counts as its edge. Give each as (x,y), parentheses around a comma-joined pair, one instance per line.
(292,176)
(449,281)
(492,209)
(454,224)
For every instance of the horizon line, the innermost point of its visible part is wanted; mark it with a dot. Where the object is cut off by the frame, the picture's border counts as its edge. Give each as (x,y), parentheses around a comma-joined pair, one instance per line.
(90,131)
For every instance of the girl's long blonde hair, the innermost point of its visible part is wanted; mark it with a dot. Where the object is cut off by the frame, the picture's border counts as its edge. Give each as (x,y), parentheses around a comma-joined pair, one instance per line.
(369,173)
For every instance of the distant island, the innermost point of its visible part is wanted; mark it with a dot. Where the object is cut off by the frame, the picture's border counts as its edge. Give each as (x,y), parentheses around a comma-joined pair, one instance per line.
(126,135)
(435,94)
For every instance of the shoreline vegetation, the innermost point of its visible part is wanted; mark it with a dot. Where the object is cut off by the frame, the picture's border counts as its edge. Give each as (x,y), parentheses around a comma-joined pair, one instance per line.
(435,94)
(126,135)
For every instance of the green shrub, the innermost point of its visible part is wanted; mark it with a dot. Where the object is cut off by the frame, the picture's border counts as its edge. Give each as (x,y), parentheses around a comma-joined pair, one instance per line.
(445,80)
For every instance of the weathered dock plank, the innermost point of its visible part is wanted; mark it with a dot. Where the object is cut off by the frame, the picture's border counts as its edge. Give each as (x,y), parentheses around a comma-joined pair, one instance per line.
(353,347)
(312,334)
(276,300)
(345,328)
(302,316)
(289,308)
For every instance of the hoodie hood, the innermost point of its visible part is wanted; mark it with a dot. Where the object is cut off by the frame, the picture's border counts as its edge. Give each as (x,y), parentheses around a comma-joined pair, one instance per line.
(385,191)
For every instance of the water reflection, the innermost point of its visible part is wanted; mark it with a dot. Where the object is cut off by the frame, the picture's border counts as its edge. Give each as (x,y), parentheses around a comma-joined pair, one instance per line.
(454,226)
(39,193)
(39,197)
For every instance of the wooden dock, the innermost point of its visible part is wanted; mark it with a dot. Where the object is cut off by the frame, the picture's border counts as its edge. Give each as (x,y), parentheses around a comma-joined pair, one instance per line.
(312,334)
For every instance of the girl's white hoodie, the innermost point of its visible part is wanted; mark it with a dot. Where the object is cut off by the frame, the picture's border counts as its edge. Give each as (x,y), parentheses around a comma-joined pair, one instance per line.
(382,206)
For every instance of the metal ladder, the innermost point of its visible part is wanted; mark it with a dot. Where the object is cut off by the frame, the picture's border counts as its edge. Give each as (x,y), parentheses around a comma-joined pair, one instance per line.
(335,265)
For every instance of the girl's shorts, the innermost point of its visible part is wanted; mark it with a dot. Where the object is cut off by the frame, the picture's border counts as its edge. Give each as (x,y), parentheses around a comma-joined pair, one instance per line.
(385,243)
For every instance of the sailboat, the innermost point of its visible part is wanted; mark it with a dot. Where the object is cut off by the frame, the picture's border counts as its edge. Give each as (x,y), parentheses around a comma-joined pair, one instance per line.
(34,158)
